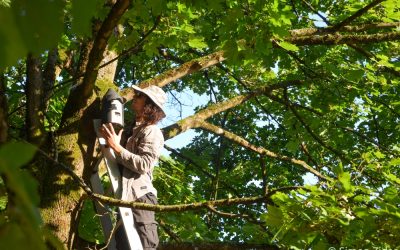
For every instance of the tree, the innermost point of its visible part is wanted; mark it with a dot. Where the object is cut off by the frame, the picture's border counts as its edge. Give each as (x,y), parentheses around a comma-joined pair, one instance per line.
(295,89)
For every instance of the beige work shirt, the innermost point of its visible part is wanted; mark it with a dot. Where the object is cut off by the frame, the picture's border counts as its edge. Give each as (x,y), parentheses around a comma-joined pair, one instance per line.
(138,158)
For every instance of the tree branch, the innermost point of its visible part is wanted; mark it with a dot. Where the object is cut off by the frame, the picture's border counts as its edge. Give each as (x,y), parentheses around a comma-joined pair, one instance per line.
(355,28)
(190,206)
(315,11)
(178,72)
(336,39)
(228,215)
(372,57)
(99,46)
(34,95)
(166,208)
(168,230)
(264,175)
(190,122)
(113,231)
(49,77)
(357,14)
(260,150)
(303,147)
(300,40)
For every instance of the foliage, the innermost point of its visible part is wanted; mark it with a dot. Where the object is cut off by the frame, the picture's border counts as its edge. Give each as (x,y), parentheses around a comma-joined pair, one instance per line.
(20,224)
(89,225)
(342,118)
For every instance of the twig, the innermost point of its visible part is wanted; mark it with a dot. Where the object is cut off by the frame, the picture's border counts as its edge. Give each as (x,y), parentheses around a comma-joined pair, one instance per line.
(357,14)
(315,11)
(305,150)
(229,215)
(200,168)
(113,231)
(317,138)
(168,230)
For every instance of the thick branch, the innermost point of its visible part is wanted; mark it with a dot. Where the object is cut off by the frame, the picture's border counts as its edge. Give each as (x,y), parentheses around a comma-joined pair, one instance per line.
(100,44)
(355,28)
(335,39)
(96,55)
(49,76)
(34,93)
(190,206)
(298,38)
(166,208)
(260,150)
(190,122)
(178,72)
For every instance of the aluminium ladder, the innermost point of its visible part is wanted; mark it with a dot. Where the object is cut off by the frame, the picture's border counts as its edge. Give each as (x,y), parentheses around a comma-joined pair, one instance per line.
(115,177)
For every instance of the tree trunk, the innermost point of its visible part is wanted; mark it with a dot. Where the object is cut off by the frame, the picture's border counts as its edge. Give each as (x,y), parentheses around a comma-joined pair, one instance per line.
(3,110)
(62,198)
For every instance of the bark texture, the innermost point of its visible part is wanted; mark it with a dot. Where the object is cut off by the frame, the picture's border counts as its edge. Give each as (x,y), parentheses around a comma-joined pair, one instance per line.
(3,110)
(34,94)
(76,147)
(62,197)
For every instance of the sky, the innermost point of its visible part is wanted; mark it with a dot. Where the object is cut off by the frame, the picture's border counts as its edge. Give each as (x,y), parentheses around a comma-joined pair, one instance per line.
(176,112)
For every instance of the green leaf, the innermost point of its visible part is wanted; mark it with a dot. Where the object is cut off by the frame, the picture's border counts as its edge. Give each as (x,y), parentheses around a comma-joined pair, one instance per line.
(89,224)
(354,75)
(288,46)
(390,194)
(12,44)
(197,43)
(274,216)
(14,155)
(394,162)
(292,146)
(39,22)
(31,26)
(379,155)
(280,197)
(82,13)
(338,168)
(187,28)
(392,178)
(5,3)
(345,180)
(24,229)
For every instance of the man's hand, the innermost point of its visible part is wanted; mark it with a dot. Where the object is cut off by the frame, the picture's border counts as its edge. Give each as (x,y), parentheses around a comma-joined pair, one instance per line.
(113,140)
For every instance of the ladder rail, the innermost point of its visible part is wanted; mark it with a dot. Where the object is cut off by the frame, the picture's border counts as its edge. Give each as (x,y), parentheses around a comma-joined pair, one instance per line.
(115,177)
